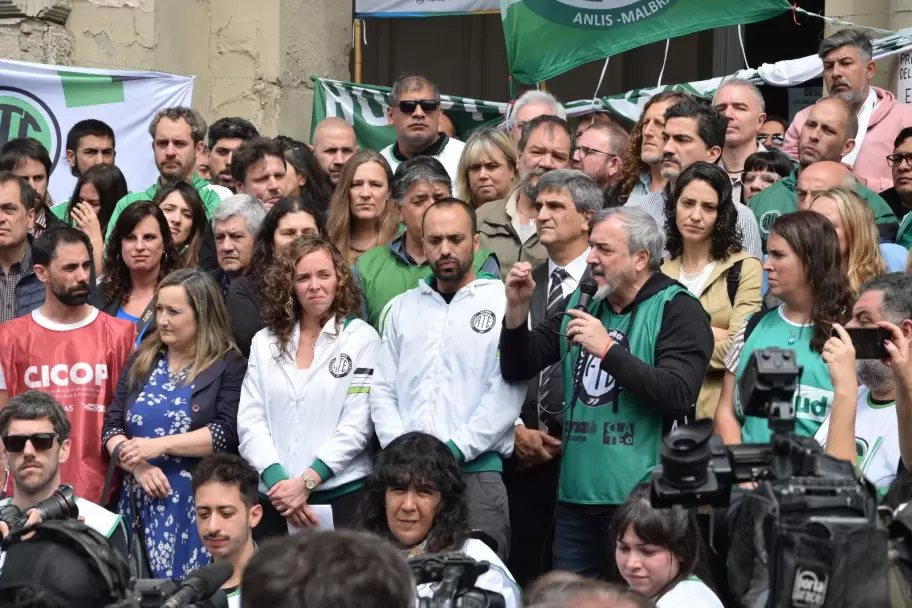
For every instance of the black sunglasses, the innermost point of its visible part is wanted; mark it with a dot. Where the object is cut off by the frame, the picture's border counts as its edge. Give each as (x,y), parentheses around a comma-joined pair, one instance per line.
(42,442)
(427,105)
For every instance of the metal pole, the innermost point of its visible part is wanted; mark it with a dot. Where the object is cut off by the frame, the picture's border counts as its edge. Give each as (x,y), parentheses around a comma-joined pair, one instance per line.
(358,41)
(543,86)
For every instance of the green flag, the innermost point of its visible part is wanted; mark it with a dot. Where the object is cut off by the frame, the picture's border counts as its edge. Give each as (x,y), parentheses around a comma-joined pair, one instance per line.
(364,107)
(549,37)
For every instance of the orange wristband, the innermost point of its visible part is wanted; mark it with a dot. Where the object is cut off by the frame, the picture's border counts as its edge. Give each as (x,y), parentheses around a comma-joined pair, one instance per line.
(609,345)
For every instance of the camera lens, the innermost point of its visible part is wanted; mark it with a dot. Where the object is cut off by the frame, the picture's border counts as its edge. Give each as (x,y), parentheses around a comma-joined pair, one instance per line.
(685,455)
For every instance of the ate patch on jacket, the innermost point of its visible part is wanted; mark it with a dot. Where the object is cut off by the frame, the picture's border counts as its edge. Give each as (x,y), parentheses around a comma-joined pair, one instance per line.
(340,366)
(483,321)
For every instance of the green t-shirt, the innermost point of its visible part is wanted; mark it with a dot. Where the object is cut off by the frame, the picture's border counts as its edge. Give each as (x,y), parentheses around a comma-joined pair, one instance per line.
(814,396)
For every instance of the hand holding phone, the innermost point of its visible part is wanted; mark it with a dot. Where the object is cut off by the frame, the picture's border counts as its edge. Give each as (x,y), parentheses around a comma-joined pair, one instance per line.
(869,342)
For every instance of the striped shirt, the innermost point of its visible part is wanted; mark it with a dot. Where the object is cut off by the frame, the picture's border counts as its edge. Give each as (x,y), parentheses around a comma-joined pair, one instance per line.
(654,204)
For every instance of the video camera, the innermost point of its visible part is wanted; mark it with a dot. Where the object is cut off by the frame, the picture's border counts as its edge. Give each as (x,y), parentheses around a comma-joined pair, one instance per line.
(806,537)
(455,575)
(201,589)
(59,505)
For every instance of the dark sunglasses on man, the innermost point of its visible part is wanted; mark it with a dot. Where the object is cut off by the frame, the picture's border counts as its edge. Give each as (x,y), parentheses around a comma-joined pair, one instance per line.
(776,139)
(408,106)
(41,442)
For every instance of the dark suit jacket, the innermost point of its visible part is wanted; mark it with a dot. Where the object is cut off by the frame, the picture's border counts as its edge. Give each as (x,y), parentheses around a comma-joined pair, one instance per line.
(245,312)
(97,299)
(216,393)
(537,309)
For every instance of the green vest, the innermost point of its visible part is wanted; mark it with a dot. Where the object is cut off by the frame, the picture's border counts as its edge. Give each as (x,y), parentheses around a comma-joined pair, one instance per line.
(383,276)
(814,396)
(210,198)
(611,440)
(60,210)
(781,198)
(904,236)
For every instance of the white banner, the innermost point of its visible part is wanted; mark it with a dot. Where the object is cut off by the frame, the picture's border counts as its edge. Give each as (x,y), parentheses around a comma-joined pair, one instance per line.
(422,8)
(45,101)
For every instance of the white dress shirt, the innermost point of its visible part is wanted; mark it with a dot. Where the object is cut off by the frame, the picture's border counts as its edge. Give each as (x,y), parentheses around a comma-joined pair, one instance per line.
(575,271)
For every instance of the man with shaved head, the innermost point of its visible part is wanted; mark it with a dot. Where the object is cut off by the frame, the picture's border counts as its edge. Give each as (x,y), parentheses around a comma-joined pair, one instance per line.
(334,142)
(819,178)
(828,134)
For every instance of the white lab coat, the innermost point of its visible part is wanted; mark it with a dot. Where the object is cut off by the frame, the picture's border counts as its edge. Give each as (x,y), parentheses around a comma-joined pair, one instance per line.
(297,417)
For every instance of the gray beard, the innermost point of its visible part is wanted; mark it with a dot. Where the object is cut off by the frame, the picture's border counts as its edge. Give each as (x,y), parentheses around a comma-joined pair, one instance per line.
(874,374)
(853,98)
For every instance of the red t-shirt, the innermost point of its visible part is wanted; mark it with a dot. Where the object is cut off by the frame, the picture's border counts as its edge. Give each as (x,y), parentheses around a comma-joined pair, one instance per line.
(79,365)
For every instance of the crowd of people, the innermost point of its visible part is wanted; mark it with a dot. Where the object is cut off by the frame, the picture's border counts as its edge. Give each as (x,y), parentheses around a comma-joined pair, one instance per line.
(278,336)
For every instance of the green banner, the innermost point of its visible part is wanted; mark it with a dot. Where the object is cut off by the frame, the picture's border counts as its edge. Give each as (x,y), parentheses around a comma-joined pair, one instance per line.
(364,107)
(549,37)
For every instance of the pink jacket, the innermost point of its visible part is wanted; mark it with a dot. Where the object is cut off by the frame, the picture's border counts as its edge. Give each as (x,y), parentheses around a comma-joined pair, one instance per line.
(890,117)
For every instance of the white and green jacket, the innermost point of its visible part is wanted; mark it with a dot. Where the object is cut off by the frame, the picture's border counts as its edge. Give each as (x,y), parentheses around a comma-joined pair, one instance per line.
(290,420)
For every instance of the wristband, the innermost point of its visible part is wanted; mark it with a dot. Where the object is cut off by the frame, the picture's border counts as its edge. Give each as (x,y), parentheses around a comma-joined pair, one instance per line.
(607,346)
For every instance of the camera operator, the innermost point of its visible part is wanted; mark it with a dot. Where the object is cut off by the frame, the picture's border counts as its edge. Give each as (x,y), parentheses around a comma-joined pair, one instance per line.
(805,272)
(225,495)
(36,435)
(862,426)
(316,568)
(643,351)
(416,497)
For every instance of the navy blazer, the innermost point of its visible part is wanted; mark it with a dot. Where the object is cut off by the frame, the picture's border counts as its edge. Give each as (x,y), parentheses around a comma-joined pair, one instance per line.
(214,402)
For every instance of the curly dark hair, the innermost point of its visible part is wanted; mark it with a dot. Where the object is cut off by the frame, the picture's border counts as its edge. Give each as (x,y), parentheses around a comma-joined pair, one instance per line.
(418,459)
(634,165)
(264,248)
(282,310)
(726,237)
(813,239)
(117,281)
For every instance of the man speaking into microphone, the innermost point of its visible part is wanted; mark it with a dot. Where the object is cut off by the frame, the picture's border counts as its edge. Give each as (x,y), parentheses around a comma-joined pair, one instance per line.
(637,358)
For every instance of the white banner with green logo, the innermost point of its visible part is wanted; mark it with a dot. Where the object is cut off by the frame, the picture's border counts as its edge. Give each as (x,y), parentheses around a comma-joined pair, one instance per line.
(422,8)
(45,101)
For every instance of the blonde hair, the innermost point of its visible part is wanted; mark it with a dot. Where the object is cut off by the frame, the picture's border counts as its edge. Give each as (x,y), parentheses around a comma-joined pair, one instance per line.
(339,225)
(864,258)
(213,336)
(484,142)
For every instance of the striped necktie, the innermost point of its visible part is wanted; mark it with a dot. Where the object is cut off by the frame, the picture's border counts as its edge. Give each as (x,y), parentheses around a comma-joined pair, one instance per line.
(555,299)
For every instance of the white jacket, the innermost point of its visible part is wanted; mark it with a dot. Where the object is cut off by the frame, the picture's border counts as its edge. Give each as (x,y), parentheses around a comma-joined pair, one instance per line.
(448,157)
(297,417)
(438,370)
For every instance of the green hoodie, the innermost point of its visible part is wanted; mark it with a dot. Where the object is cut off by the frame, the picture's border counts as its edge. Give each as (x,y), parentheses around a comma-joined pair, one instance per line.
(210,198)
(782,198)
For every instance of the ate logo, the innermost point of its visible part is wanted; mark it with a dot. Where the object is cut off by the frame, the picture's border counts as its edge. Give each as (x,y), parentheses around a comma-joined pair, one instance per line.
(22,114)
(340,366)
(599,388)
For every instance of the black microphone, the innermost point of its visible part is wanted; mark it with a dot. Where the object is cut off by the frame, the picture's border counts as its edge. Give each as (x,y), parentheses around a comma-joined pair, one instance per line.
(587,288)
(201,584)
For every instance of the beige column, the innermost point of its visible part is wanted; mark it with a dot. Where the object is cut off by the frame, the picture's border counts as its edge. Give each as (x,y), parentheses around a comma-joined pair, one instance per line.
(251,59)
(33,30)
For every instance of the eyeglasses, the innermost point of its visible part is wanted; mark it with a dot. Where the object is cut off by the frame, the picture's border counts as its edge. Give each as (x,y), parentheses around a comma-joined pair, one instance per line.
(42,442)
(776,138)
(896,160)
(408,106)
(585,151)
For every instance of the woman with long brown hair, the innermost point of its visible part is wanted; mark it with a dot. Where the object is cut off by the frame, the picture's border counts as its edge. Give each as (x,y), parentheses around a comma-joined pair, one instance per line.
(139,254)
(805,272)
(176,402)
(304,418)
(361,212)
